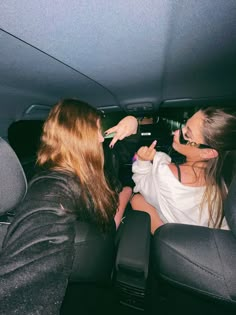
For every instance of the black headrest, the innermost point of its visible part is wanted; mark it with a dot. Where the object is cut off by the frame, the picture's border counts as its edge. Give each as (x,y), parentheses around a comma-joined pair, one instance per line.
(230,206)
(13,184)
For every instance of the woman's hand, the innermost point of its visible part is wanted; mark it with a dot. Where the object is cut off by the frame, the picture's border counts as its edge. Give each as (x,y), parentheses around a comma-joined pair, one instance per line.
(147,153)
(126,127)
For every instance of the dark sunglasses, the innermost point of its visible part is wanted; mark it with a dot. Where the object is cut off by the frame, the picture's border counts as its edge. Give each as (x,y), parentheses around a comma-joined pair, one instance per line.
(191,143)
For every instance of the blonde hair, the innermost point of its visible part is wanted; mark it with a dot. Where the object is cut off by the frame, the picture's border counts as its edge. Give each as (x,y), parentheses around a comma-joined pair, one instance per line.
(219,132)
(70,143)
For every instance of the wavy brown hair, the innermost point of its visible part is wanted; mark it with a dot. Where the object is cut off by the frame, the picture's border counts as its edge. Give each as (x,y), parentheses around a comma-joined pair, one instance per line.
(70,143)
(219,132)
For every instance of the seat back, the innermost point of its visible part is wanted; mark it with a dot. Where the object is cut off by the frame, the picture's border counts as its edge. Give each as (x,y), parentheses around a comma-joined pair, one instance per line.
(230,206)
(13,185)
(91,276)
(193,267)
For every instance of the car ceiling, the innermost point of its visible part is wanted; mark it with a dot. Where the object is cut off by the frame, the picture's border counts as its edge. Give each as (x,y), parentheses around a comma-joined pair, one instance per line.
(134,54)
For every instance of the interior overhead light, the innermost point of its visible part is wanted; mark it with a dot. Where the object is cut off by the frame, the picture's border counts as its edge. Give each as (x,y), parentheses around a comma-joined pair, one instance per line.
(108,107)
(139,107)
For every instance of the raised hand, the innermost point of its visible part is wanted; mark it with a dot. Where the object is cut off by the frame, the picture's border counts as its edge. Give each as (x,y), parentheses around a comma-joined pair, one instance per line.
(126,127)
(147,153)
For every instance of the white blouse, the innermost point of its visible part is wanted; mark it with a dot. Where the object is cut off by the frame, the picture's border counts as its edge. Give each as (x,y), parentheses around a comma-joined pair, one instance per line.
(174,202)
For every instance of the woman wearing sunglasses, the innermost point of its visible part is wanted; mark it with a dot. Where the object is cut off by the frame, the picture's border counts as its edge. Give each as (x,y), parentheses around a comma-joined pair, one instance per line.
(193,192)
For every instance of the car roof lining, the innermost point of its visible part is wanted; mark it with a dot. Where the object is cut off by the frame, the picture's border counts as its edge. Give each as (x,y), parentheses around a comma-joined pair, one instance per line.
(116,53)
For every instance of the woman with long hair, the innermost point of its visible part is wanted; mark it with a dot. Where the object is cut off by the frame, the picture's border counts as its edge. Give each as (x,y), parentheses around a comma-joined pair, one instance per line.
(71,144)
(39,250)
(192,192)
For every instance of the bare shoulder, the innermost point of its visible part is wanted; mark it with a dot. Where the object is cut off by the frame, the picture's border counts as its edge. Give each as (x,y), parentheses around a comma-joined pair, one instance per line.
(189,176)
(173,169)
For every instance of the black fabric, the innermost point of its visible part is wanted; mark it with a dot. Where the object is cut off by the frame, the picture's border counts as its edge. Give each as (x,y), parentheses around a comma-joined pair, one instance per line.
(118,158)
(126,148)
(112,167)
(39,251)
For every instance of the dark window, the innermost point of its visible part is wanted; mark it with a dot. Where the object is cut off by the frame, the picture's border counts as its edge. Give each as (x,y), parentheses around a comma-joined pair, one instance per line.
(24,137)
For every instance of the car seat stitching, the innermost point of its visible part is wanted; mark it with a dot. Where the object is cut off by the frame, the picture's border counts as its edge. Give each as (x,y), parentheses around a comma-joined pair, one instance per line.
(216,275)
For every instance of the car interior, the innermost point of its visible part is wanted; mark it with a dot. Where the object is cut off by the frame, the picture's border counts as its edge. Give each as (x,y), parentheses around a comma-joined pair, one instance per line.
(159,61)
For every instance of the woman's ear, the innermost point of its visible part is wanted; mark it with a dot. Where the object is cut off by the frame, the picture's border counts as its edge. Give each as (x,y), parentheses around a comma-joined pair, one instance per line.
(208,153)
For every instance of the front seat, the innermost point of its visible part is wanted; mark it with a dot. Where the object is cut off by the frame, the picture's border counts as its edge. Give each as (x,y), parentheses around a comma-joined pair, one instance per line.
(194,268)
(13,186)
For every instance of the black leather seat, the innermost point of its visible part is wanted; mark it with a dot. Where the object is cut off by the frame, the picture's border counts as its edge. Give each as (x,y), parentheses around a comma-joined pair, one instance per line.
(191,270)
(91,277)
(194,268)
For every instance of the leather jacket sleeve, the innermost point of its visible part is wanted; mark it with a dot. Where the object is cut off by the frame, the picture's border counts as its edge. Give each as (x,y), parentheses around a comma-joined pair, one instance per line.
(38,251)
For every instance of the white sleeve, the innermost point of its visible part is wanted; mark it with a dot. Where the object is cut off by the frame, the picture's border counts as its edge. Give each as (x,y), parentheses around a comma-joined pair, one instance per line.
(145,176)
(142,171)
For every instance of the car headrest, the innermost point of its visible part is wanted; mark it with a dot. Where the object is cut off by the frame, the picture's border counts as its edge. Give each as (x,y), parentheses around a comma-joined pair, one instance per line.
(13,184)
(230,206)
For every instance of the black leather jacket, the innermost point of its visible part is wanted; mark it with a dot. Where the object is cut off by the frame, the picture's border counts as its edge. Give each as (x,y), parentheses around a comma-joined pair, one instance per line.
(40,252)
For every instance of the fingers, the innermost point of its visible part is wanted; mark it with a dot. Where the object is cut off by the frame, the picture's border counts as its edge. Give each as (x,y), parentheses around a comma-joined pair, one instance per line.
(147,153)
(153,144)
(150,148)
(126,127)
(118,134)
(113,141)
(111,130)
